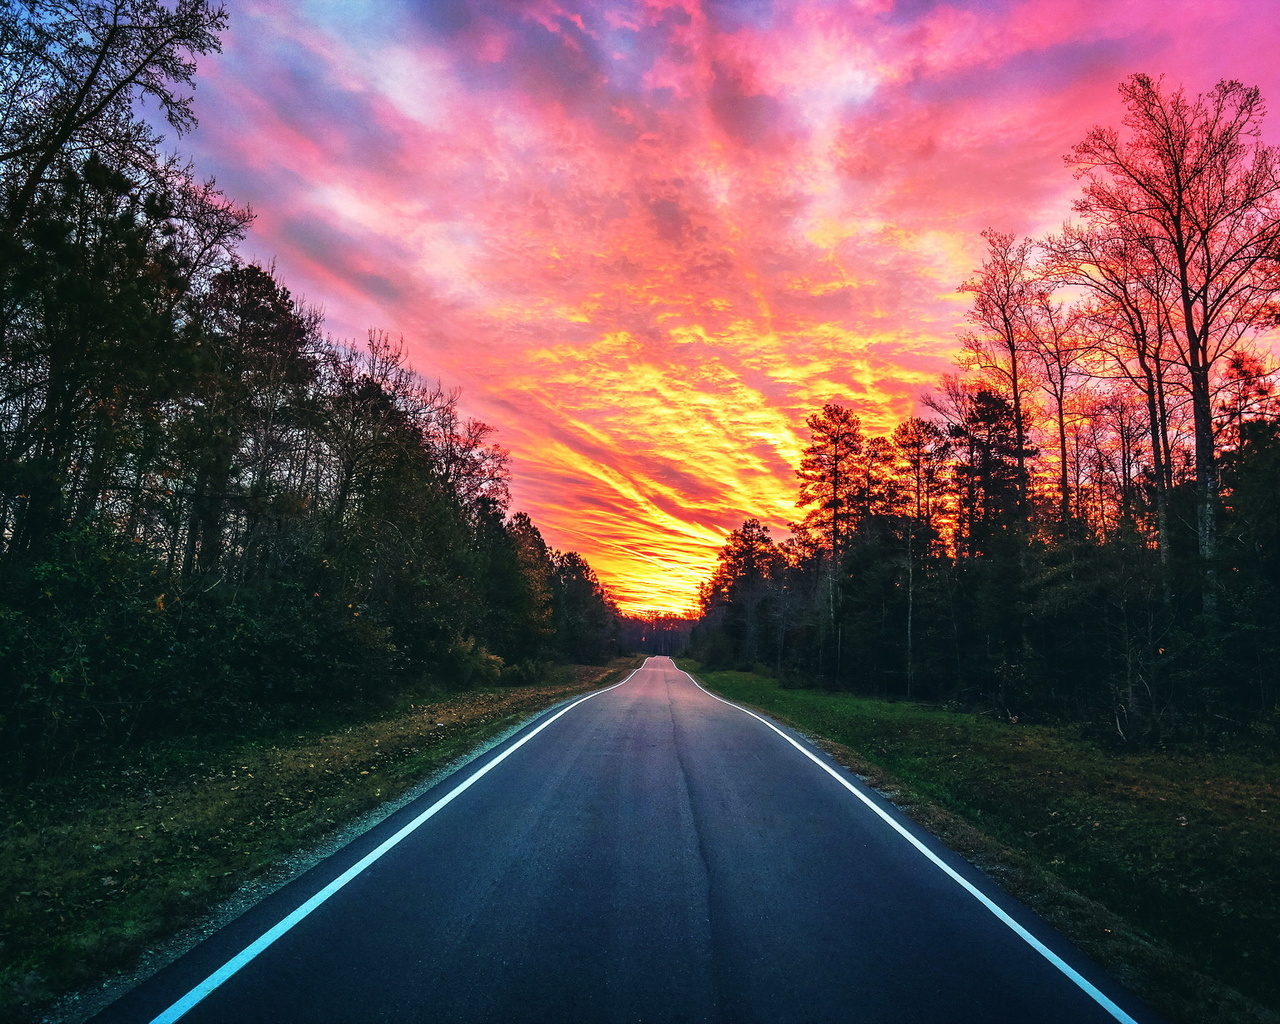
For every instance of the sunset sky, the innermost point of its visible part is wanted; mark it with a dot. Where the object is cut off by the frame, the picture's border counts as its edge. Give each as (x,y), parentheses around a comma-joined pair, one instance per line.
(648,239)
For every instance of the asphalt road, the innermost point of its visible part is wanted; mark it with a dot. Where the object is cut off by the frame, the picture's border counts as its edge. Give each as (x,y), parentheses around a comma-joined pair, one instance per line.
(648,854)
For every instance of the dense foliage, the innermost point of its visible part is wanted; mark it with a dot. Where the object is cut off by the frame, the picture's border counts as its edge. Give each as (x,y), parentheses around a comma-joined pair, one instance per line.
(1086,526)
(207,508)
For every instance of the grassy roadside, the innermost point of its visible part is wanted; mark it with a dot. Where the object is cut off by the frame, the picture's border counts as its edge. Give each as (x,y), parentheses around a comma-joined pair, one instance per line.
(99,867)
(1161,865)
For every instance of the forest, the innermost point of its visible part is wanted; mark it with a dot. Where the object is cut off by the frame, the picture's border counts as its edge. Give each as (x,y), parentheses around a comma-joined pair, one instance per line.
(209,509)
(1085,526)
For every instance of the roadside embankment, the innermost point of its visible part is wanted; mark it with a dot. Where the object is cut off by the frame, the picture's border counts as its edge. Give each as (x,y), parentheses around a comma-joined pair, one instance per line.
(1160,864)
(103,866)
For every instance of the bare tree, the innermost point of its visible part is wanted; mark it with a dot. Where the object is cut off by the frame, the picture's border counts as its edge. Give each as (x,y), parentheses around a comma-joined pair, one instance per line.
(1126,315)
(1192,186)
(1054,344)
(1003,291)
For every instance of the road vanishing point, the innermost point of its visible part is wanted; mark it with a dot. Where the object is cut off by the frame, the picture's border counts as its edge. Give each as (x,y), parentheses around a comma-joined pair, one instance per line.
(646,853)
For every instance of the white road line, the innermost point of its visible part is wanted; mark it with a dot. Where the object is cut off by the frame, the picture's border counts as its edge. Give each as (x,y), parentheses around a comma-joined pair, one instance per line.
(202,991)
(1085,986)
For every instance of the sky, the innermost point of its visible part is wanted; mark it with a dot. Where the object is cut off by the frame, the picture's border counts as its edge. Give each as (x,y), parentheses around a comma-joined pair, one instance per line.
(647,239)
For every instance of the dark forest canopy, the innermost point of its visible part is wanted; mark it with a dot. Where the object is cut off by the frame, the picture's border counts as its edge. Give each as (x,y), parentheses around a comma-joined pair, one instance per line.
(207,507)
(1086,524)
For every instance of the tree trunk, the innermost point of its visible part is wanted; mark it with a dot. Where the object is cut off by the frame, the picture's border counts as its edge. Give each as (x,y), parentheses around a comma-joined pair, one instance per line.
(1064,483)
(1206,490)
(911,594)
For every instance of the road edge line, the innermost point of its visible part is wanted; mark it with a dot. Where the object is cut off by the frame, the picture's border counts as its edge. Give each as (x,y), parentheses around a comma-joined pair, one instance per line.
(1072,975)
(197,994)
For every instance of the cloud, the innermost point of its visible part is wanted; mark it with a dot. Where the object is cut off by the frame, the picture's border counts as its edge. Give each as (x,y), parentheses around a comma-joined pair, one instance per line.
(648,238)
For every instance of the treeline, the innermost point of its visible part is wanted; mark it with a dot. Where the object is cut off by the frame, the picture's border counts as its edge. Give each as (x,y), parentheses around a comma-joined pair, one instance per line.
(1087,523)
(207,508)
(655,633)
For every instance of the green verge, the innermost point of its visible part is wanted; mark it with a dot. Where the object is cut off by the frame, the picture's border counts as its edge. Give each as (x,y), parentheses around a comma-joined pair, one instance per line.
(1161,865)
(101,867)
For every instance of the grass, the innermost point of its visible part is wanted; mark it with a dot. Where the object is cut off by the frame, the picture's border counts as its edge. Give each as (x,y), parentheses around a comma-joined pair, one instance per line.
(103,865)
(1162,865)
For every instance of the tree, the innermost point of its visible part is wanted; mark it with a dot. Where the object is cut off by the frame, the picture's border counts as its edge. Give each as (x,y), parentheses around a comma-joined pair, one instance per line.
(1113,489)
(1126,321)
(256,360)
(1190,184)
(532,598)
(1251,471)
(73,74)
(1055,345)
(740,587)
(91,347)
(829,476)
(925,451)
(990,471)
(587,621)
(829,481)
(1003,292)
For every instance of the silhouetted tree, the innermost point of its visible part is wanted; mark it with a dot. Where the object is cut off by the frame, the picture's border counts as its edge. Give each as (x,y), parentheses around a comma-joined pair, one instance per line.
(1004,293)
(74,72)
(1192,186)
(739,591)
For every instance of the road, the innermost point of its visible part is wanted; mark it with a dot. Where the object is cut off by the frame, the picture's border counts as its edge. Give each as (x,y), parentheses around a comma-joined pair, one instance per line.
(647,854)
